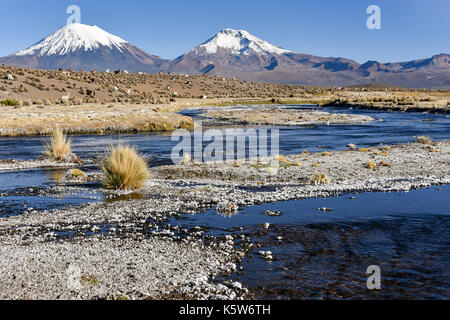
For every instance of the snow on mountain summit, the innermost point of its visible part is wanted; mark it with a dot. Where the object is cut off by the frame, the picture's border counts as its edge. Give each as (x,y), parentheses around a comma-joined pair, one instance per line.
(239,42)
(74,37)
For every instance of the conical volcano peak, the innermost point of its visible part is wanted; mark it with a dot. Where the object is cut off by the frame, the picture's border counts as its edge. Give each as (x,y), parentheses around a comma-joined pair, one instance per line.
(74,37)
(240,42)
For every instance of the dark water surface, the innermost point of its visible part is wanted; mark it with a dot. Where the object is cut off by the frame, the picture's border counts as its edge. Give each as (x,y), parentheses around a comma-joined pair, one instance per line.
(326,254)
(396,127)
(23,191)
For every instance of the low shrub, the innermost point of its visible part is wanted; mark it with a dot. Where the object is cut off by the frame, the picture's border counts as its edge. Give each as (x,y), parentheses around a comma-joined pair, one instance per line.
(9,103)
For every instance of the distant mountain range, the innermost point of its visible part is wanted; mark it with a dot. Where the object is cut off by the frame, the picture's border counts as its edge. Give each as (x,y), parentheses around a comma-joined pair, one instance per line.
(230,53)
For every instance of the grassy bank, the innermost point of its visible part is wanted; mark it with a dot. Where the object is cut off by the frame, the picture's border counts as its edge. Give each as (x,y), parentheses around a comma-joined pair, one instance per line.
(90,119)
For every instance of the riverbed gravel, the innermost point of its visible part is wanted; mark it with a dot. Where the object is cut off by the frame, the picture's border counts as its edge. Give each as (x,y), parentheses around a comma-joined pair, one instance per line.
(11,164)
(281,116)
(102,239)
(114,269)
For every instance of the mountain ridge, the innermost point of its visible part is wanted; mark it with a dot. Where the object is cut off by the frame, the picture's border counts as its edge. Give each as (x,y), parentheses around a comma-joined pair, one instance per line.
(229,53)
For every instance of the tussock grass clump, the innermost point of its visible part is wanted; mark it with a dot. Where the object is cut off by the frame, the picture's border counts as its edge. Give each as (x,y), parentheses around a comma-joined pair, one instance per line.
(59,148)
(77,173)
(424,140)
(371,165)
(385,164)
(124,169)
(281,158)
(319,179)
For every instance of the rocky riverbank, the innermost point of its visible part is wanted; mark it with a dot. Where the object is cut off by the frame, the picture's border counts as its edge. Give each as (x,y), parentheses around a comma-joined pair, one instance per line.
(127,250)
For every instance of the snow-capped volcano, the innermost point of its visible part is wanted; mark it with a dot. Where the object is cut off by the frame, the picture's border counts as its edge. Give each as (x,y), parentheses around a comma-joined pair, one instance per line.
(238,42)
(74,37)
(230,51)
(83,47)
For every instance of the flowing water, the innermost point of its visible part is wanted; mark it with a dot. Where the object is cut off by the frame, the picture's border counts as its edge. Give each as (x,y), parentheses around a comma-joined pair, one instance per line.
(320,254)
(395,127)
(326,254)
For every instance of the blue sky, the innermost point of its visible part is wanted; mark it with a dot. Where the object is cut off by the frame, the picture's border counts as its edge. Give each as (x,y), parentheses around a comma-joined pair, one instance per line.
(411,29)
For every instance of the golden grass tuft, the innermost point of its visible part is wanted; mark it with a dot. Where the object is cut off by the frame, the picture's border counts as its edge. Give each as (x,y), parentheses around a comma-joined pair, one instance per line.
(319,179)
(371,165)
(385,164)
(77,173)
(59,148)
(124,169)
(424,140)
(281,159)
(316,165)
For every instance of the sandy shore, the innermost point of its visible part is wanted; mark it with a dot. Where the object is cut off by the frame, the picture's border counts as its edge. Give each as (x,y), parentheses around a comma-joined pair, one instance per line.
(117,258)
